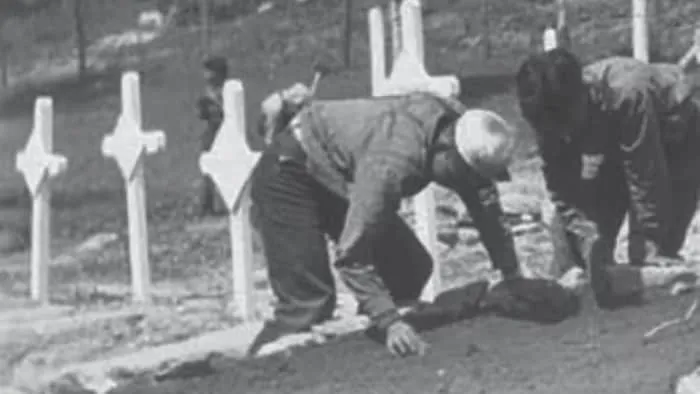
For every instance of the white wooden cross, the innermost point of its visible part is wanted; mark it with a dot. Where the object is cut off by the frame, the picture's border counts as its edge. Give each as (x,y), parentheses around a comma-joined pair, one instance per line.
(230,163)
(395,23)
(640,30)
(549,39)
(693,54)
(696,44)
(408,74)
(127,145)
(38,165)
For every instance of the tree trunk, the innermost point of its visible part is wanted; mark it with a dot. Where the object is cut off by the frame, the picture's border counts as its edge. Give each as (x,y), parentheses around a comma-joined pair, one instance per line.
(80,38)
(347,45)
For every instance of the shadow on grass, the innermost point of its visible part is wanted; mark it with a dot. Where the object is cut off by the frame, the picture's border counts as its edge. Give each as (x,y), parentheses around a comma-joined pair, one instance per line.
(476,88)
(67,92)
(82,198)
(64,199)
(19,199)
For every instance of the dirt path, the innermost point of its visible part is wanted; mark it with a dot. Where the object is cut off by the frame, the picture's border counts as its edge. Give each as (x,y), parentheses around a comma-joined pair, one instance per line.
(488,355)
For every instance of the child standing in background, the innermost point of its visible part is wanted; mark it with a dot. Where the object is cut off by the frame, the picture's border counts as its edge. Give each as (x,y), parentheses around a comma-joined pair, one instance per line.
(210,109)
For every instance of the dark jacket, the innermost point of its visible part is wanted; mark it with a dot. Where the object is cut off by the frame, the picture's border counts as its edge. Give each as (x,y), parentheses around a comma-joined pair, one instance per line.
(377,151)
(210,109)
(641,124)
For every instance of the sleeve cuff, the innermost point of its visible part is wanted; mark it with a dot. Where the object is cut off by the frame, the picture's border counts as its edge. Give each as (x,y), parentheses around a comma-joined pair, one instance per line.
(386,319)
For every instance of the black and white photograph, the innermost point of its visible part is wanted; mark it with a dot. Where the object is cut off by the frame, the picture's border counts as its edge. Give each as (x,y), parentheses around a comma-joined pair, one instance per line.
(349,196)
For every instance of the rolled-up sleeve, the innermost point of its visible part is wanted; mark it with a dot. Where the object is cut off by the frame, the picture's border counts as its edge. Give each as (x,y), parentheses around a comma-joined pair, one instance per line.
(392,159)
(566,187)
(567,192)
(645,167)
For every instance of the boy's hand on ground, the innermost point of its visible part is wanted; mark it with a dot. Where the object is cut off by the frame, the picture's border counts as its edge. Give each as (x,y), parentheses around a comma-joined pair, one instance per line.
(402,340)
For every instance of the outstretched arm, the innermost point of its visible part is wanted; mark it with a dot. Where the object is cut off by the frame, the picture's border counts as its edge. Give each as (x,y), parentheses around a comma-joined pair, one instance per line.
(565,187)
(481,197)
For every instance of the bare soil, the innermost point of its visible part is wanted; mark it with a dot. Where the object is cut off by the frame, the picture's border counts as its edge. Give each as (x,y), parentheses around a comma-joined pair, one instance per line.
(596,352)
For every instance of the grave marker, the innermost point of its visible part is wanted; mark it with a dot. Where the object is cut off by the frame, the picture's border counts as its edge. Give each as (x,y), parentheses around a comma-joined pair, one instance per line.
(696,43)
(408,74)
(693,54)
(395,23)
(377,50)
(549,39)
(127,145)
(38,166)
(230,163)
(412,28)
(640,30)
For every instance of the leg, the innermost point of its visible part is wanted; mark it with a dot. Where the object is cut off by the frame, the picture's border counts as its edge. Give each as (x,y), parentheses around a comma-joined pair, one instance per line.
(684,167)
(402,261)
(609,210)
(564,256)
(218,204)
(207,194)
(294,245)
(207,187)
(685,203)
(405,269)
(609,226)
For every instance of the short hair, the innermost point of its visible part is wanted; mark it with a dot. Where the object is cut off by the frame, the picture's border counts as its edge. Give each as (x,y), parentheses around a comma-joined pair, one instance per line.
(217,65)
(548,83)
(486,142)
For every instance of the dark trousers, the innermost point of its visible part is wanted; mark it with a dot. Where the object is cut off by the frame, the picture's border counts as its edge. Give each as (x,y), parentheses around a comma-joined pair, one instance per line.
(209,199)
(294,213)
(612,204)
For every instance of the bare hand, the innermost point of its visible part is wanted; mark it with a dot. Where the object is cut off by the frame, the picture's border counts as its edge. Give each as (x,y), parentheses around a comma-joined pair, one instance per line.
(402,340)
